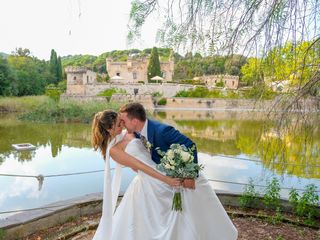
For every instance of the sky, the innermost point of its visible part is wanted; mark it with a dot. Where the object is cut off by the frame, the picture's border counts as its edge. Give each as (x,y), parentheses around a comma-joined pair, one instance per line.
(69,27)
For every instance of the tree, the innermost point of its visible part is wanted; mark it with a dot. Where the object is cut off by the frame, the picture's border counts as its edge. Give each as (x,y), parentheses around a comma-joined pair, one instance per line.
(31,75)
(55,67)
(6,78)
(252,71)
(234,63)
(59,69)
(154,64)
(22,52)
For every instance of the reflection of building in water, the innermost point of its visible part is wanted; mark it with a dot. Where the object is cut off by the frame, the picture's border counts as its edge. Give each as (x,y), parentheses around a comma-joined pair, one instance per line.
(218,134)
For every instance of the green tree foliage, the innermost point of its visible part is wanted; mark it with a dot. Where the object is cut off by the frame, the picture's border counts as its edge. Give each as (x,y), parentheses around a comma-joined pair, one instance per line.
(31,75)
(6,78)
(189,67)
(55,67)
(59,69)
(234,63)
(154,64)
(287,63)
(252,72)
(22,52)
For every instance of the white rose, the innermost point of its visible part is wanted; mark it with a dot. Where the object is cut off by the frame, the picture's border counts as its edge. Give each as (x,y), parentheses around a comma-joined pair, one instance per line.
(167,166)
(172,162)
(185,156)
(170,154)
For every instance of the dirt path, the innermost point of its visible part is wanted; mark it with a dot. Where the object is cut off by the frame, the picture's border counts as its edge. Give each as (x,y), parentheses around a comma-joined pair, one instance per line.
(249,228)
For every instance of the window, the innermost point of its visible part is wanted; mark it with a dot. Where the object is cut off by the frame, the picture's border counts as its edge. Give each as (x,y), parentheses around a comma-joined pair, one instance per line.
(87,79)
(164,74)
(118,74)
(74,78)
(232,83)
(134,75)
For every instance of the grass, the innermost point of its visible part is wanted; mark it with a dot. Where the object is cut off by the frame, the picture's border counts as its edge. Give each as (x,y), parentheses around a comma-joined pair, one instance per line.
(2,234)
(67,111)
(22,104)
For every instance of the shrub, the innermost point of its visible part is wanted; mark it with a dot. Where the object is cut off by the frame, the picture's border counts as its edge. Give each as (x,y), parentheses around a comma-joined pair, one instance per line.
(306,204)
(271,197)
(110,91)
(220,84)
(157,94)
(162,101)
(250,196)
(53,92)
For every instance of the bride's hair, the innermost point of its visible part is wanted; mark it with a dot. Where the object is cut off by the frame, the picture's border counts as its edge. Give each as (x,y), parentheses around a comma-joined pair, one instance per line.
(102,121)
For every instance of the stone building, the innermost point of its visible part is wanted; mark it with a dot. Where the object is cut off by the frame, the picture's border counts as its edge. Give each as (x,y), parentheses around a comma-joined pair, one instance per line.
(229,81)
(135,70)
(78,78)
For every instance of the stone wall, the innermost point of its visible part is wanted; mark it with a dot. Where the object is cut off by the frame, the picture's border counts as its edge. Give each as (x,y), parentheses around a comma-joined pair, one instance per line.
(167,89)
(212,103)
(229,81)
(82,98)
(145,100)
(76,90)
(79,76)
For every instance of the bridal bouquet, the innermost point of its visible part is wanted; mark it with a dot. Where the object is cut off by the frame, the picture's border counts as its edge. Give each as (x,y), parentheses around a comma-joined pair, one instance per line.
(177,162)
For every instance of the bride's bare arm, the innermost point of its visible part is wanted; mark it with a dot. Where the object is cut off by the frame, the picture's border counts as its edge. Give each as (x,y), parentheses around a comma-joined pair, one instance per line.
(123,158)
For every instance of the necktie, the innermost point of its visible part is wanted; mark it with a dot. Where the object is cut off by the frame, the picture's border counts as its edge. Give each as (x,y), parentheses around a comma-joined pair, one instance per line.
(145,142)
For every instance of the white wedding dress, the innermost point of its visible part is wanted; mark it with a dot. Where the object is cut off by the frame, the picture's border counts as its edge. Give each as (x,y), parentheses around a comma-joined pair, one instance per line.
(145,210)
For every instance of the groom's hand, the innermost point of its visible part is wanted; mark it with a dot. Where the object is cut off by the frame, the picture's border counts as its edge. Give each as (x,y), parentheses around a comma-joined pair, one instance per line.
(189,183)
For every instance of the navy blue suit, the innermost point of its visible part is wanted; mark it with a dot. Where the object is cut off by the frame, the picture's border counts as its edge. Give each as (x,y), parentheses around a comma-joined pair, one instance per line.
(162,136)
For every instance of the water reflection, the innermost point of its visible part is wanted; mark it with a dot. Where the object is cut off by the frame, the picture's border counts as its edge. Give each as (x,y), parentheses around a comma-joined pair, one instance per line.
(292,151)
(50,135)
(66,148)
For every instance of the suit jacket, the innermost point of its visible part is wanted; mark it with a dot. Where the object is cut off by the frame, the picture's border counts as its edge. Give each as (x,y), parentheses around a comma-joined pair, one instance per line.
(162,136)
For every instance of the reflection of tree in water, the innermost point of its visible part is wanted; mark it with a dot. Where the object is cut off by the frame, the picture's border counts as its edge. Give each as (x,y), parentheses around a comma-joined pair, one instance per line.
(54,135)
(293,151)
(23,156)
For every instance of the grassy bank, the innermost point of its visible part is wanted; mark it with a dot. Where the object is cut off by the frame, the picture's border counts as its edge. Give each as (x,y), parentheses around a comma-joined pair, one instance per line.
(22,104)
(67,111)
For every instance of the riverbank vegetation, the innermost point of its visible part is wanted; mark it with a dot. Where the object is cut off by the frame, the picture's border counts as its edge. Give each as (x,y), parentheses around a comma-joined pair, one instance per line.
(304,206)
(47,109)
(67,111)
(22,104)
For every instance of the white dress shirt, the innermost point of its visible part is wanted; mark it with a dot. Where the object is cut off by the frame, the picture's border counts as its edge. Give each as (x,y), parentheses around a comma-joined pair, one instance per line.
(144,131)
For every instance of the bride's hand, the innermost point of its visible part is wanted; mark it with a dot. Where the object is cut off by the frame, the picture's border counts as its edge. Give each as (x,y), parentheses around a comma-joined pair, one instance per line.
(173,182)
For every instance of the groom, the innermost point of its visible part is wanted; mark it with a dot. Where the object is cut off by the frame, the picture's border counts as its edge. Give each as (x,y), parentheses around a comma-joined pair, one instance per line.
(159,135)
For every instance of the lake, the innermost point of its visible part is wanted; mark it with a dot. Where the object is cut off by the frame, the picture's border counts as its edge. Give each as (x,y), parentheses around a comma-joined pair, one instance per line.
(234,147)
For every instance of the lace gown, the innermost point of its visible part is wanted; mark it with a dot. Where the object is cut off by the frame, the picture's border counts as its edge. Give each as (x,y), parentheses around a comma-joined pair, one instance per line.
(145,210)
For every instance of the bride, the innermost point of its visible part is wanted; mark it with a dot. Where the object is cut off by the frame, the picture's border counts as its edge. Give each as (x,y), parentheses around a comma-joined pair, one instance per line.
(145,210)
